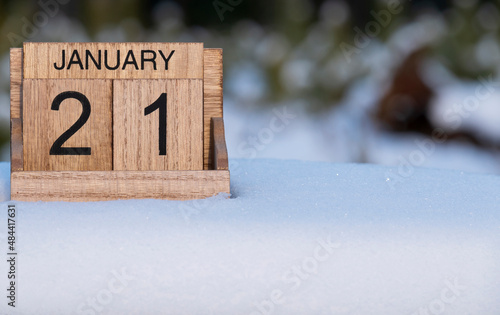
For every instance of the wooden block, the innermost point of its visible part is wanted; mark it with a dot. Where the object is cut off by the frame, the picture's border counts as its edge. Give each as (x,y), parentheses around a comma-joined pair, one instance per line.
(16,80)
(140,143)
(61,151)
(113,185)
(212,92)
(44,128)
(16,145)
(113,60)
(219,140)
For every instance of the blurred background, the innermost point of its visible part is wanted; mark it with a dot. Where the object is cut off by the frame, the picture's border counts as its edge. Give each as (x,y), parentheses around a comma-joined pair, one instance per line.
(401,83)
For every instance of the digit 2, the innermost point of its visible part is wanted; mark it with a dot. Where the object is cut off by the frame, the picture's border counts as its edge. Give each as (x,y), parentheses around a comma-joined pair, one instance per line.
(161,105)
(57,148)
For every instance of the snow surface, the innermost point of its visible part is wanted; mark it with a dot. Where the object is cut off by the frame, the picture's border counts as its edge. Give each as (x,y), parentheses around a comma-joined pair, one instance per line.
(294,238)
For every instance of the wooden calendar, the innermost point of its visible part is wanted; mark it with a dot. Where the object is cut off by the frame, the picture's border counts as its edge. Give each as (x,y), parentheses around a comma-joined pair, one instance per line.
(107,121)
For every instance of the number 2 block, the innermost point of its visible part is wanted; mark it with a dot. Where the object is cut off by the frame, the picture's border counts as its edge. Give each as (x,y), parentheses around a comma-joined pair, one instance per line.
(158,124)
(67,125)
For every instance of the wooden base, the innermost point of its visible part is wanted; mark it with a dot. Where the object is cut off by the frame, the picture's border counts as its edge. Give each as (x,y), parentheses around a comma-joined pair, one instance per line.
(114,185)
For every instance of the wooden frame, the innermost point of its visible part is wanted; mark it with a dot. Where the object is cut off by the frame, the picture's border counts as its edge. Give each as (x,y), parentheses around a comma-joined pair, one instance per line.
(113,185)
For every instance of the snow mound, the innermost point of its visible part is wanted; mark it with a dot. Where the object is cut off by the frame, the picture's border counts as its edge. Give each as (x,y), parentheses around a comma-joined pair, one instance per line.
(294,238)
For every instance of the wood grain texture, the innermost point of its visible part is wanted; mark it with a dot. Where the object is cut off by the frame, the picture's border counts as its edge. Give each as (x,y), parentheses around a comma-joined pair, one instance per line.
(185,63)
(16,145)
(136,136)
(16,80)
(220,159)
(212,98)
(42,126)
(113,185)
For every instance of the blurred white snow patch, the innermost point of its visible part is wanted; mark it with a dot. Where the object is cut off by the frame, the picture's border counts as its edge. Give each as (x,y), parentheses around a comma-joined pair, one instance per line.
(336,135)
(435,74)
(296,74)
(283,132)
(425,30)
(111,33)
(272,49)
(64,29)
(469,106)
(246,81)
(488,52)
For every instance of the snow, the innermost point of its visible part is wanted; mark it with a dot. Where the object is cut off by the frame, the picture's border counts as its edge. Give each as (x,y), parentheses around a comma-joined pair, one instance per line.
(469,107)
(294,238)
(347,133)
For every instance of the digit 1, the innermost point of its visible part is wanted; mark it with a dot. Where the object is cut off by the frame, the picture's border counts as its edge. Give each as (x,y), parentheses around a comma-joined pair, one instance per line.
(161,104)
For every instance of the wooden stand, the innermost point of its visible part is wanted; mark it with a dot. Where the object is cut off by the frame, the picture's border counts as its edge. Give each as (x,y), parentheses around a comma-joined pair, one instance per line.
(123,184)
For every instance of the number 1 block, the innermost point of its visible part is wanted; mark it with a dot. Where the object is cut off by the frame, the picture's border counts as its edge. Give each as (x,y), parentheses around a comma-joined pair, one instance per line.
(67,125)
(158,124)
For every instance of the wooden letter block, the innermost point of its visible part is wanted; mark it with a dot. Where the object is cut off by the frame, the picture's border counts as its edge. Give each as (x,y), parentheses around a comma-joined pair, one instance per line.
(67,125)
(113,60)
(158,124)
